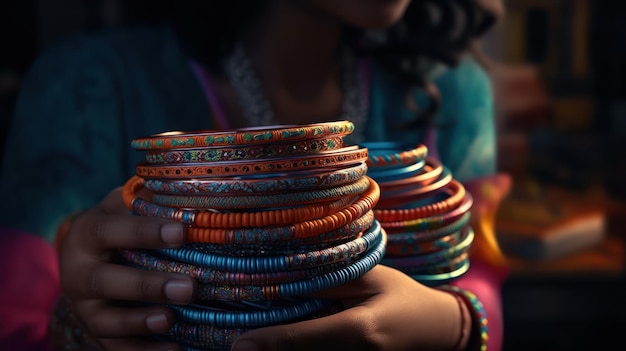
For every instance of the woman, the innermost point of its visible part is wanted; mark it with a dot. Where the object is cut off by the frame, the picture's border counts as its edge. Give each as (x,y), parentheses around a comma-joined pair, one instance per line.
(309,61)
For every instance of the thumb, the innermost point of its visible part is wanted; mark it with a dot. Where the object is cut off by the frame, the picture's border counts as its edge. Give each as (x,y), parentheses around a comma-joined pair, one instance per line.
(345,330)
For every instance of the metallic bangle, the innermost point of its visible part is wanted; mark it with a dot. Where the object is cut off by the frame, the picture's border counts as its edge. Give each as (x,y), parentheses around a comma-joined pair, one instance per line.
(383,154)
(271,134)
(431,171)
(343,157)
(261,201)
(405,198)
(244,152)
(292,181)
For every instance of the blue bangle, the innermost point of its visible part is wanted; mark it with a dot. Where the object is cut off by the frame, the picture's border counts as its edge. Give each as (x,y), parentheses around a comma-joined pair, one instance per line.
(388,174)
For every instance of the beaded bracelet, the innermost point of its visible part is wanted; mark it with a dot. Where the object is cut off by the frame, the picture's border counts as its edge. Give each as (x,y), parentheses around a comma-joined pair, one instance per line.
(247,318)
(300,230)
(384,154)
(480,331)
(154,262)
(454,190)
(329,255)
(292,181)
(283,200)
(211,219)
(296,288)
(244,152)
(344,157)
(255,135)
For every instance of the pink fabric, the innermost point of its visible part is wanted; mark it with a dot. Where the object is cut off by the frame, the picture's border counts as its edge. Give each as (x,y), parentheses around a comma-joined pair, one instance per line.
(486,282)
(29,280)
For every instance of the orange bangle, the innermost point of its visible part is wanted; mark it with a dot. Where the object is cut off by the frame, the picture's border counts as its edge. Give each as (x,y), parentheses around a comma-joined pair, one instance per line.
(273,134)
(454,188)
(209,219)
(301,230)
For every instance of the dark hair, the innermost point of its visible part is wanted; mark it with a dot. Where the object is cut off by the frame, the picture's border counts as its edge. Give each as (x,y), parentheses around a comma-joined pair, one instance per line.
(430,31)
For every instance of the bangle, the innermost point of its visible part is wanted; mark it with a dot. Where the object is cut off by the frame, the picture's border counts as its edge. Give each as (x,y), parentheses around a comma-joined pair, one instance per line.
(384,154)
(435,280)
(284,200)
(390,174)
(244,152)
(342,252)
(446,242)
(455,193)
(339,158)
(480,332)
(211,219)
(293,181)
(256,135)
(405,198)
(432,170)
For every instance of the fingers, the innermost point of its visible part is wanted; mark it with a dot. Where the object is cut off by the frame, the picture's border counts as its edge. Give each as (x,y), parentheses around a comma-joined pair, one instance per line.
(137,344)
(109,321)
(117,282)
(347,330)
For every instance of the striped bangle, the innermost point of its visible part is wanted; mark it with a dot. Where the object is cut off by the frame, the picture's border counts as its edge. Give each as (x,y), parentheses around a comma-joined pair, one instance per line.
(272,134)
(244,152)
(480,331)
(384,154)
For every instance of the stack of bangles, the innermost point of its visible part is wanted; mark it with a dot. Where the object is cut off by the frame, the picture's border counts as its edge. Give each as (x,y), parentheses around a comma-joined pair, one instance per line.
(273,214)
(425,213)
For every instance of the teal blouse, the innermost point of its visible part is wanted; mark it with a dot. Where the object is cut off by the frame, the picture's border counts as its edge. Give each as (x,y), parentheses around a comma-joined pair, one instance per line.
(87,96)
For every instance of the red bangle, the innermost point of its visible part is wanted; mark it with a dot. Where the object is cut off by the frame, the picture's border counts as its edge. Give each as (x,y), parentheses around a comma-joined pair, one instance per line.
(455,191)
(272,134)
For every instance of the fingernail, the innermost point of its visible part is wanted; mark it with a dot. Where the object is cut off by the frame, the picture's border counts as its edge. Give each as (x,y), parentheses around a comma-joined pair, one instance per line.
(157,323)
(245,345)
(172,234)
(179,291)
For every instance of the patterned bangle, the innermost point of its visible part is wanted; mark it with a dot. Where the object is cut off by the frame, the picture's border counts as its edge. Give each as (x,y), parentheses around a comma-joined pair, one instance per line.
(413,249)
(284,200)
(384,154)
(480,332)
(244,152)
(211,219)
(292,181)
(271,134)
(339,158)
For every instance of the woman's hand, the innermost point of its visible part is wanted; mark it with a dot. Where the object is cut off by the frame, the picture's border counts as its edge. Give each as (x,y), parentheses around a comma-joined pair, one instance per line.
(112,300)
(385,310)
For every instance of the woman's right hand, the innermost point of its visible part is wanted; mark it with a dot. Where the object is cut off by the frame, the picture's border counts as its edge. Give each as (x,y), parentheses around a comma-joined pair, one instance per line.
(110,300)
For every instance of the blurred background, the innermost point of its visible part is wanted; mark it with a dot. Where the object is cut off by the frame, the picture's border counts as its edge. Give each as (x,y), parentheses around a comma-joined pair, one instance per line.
(558,69)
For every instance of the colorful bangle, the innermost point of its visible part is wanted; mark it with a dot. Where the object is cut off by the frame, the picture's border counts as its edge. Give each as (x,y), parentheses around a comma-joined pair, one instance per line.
(247,317)
(436,280)
(339,158)
(431,171)
(211,219)
(445,255)
(431,222)
(480,331)
(409,238)
(404,198)
(389,174)
(443,243)
(383,154)
(244,152)
(342,252)
(271,134)
(455,193)
(284,200)
(293,181)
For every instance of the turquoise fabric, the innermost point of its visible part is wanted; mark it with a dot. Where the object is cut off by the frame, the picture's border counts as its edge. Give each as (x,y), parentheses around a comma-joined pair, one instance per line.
(89,95)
